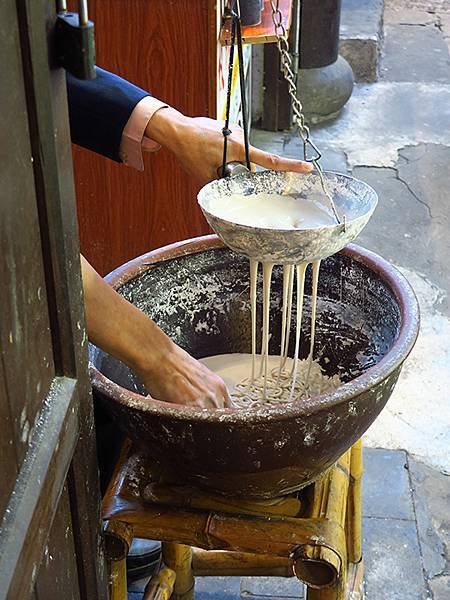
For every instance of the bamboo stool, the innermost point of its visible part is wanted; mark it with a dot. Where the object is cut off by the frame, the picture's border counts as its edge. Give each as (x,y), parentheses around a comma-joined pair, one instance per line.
(314,534)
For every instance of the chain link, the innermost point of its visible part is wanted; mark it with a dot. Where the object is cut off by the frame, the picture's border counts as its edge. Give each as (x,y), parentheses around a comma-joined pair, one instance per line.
(297,108)
(288,73)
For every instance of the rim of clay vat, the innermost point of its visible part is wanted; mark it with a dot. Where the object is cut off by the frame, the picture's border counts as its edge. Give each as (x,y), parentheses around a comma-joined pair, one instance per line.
(409,328)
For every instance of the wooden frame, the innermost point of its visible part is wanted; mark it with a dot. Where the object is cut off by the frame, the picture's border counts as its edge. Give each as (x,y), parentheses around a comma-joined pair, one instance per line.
(264,32)
(260,538)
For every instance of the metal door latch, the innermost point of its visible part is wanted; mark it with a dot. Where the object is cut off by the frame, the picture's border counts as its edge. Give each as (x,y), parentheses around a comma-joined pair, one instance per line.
(75,43)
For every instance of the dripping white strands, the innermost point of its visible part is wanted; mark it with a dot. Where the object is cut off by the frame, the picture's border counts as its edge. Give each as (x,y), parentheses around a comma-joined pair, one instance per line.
(253,281)
(315,285)
(267,279)
(288,286)
(300,272)
(290,379)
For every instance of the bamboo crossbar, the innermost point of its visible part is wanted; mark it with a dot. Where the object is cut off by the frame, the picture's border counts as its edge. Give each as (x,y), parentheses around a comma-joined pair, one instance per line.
(187,498)
(218,563)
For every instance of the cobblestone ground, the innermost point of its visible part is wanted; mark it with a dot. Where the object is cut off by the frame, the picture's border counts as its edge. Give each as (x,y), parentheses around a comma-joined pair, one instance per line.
(395,134)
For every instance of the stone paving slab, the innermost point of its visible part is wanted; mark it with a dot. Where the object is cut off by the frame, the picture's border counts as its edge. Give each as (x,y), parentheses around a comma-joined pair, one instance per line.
(380,119)
(415,53)
(411,213)
(361,18)
(331,160)
(440,588)
(431,494)
(272,587)
(386,487)
(393,567)
(395,15)
(217,588)
(417,415)
(360,36)
(444,26)
(426,5)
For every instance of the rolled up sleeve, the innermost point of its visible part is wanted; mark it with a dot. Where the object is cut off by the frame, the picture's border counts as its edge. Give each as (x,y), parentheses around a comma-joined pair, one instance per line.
(133,142)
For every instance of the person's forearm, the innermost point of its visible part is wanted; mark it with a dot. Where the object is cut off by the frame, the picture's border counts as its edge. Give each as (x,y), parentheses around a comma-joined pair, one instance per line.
(168,372)
(197,143)
(117,326)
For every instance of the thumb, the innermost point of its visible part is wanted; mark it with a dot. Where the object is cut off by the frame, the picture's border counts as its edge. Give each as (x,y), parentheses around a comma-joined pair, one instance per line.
(278,163)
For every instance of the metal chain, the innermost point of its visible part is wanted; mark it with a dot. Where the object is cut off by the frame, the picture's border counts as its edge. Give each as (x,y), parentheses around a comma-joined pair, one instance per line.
(234,13)
(297,108)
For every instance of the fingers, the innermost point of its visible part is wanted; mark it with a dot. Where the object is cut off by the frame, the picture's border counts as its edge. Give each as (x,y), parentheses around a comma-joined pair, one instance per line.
(225,400)
(219,397)
(228,403)
(278,163)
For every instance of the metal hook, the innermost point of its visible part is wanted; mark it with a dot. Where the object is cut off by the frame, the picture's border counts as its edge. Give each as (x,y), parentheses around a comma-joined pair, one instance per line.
(317,154)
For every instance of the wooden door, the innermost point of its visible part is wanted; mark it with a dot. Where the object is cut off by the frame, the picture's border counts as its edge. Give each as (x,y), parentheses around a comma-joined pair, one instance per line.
(170,49)
(49,502)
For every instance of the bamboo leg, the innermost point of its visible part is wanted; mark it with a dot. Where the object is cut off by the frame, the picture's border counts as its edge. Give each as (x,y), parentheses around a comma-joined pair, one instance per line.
(178,557)
(118,538)
(317,565)
(335,592)
(353,521)
(160,586)
(118,579)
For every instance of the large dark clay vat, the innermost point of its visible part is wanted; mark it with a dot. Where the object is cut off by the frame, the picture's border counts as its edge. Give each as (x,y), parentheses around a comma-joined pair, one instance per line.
(198,292)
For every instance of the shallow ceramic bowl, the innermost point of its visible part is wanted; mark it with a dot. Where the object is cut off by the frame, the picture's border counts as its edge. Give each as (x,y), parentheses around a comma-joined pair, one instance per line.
(353,198)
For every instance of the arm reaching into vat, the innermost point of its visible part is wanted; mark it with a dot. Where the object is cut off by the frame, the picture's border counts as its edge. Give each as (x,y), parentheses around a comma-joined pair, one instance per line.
(197,143)
(168,372)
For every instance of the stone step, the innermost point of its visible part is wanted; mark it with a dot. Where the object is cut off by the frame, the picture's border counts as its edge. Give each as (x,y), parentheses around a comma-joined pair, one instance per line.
(361,36)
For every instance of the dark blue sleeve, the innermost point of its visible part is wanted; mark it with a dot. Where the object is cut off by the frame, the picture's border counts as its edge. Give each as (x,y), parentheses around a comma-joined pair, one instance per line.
(99,110)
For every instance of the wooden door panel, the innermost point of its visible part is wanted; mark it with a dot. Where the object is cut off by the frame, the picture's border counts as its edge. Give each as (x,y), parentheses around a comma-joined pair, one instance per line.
(25,338)
(44,386)
(55,574)
(32,506)
(8,457)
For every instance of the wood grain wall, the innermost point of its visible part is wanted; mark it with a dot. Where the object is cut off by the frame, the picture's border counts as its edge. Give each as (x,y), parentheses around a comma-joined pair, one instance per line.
(169,48)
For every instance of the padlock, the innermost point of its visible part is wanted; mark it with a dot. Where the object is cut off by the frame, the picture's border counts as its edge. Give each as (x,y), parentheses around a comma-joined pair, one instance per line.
(75,43)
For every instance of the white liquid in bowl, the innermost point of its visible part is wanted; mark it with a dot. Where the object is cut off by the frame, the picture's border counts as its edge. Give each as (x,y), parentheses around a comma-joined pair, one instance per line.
(273,211)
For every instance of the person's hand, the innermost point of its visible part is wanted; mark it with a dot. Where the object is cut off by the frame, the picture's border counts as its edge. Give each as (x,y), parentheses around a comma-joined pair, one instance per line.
(169,373)
(197,143)
(178,377)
